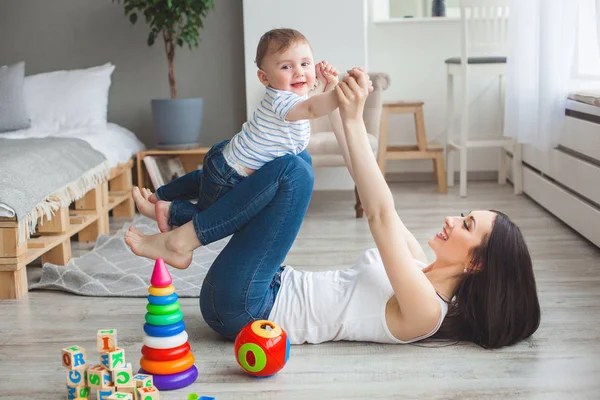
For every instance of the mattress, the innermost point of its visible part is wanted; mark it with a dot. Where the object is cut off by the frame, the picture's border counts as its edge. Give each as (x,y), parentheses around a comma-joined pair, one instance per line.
(116,143)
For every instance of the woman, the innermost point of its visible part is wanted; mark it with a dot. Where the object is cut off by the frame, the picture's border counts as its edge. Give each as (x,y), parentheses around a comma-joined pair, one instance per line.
(480,288)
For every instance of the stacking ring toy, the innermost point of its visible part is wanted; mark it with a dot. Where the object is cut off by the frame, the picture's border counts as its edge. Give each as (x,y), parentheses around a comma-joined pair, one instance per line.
(165,354)
(165,342)
(174,381)
(168,367)
(162,309)
(164,330)
(168,319)
(161,291)
(162,300)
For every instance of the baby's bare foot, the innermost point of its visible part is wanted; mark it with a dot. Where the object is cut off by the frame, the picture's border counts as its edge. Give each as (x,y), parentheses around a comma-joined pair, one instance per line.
(160,245)
(144,206)
(161,210)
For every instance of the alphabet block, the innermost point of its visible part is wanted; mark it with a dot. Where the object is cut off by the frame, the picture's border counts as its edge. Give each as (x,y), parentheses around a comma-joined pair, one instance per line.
(77,377)
(106,340)
(123,376)
(148,393)
(128,389)
(113,359)
(142,380)
(74,357)
(74,392)
(120,396)
(98,377)
(104,393)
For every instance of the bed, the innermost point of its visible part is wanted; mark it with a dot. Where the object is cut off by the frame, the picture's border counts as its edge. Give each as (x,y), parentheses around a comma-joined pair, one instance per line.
(63,167)
(566,179)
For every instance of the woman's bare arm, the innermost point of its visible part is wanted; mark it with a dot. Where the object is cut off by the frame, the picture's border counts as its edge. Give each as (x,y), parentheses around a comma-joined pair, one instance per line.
(416,297)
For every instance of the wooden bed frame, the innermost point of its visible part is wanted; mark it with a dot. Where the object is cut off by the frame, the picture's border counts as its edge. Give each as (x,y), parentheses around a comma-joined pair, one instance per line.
(87,217)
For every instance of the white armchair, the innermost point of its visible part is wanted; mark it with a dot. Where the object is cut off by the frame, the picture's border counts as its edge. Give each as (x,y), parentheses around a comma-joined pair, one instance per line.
(323,146)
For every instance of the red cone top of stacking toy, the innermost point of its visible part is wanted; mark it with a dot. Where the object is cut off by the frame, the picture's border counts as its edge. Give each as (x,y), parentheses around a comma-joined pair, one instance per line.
(160,276)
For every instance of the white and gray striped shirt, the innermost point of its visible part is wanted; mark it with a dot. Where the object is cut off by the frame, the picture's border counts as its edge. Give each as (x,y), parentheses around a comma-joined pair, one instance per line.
(267,135)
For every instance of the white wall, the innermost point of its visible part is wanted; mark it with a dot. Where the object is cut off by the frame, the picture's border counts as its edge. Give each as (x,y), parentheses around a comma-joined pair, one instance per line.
(411,52)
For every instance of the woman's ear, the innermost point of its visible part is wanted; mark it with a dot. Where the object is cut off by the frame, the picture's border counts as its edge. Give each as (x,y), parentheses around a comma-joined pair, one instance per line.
(262,77)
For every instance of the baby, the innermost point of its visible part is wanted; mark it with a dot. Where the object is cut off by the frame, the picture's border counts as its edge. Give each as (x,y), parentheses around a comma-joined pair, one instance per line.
(279,126)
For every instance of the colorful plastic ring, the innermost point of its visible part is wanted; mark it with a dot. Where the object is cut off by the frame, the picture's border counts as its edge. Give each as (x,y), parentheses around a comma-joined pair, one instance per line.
(174,381)
(162,300)
(165,354)
(168,367)
(162,309)
(168,319)
(165,342)
(161,291)
(164,330)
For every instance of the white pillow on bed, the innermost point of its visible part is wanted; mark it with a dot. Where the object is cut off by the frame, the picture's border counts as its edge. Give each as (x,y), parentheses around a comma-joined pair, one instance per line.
(68,99)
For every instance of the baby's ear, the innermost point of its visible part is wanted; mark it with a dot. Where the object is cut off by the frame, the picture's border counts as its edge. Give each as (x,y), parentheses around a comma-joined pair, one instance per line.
(262,77)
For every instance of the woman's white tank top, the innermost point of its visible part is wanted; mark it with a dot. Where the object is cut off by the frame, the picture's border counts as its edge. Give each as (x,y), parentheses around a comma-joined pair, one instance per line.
(347,304)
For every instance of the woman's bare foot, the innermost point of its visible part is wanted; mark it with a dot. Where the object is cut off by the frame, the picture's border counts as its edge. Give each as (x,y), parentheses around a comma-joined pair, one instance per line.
(161,210)
(175,247)
(144,206)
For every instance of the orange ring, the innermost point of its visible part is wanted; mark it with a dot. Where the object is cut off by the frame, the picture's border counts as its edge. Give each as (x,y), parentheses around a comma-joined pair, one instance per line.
(168,367)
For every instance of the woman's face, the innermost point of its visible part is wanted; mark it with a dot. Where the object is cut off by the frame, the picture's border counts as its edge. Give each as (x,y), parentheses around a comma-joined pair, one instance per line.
(453,243)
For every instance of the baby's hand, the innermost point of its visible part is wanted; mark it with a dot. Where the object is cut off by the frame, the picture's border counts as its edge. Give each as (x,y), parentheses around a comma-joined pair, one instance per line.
(327,76)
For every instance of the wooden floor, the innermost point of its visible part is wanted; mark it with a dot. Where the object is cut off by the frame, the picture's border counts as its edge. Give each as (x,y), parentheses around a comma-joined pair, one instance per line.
(561,361)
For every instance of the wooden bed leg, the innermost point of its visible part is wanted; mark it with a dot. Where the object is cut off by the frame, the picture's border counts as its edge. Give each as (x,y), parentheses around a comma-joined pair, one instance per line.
(59,255)
(96,202)
(13,284)
(9,240)
(123,183)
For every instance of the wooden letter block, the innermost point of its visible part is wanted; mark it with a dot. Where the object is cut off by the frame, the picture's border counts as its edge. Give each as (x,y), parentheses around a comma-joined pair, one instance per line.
(77,377)
(77,392)
(120,396)
(128,389)
(107,340)
(105,393)
(148,393)
(74,357)
(113,359)
(142,380)
(123,376)
(98,377)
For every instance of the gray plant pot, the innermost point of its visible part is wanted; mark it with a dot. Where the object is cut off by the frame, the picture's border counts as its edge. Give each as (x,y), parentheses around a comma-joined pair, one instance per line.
(177,123)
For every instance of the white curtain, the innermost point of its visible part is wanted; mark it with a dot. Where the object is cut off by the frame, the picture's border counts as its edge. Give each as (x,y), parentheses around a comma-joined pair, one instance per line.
(541,43)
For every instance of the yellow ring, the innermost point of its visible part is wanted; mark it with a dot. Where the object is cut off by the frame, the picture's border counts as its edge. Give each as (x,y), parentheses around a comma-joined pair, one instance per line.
(161,291)
(273,333)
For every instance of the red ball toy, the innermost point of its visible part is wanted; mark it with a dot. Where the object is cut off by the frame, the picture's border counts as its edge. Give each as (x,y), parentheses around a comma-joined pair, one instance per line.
(262,348)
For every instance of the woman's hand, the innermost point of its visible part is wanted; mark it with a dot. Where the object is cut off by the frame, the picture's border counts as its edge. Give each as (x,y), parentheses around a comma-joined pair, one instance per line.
(352,92)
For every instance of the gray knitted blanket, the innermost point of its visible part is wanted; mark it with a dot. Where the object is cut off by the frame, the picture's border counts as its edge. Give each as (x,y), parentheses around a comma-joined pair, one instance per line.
(38,176)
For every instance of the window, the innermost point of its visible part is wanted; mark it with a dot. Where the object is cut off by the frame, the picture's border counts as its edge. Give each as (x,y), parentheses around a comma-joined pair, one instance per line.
(587,60)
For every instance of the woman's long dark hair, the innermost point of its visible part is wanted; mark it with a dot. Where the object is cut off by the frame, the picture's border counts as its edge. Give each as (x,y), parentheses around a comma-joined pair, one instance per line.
(496,304)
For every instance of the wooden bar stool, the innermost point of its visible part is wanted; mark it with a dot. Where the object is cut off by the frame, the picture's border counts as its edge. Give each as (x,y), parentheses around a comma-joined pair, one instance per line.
(422,150)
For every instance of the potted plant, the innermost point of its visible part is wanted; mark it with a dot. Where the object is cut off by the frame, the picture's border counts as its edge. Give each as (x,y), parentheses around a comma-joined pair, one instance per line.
(177,122)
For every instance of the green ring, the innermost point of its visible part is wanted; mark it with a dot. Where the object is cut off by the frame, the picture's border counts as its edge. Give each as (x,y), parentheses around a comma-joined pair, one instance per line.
(161,320)
(259,355)
(193,396)
(164,309)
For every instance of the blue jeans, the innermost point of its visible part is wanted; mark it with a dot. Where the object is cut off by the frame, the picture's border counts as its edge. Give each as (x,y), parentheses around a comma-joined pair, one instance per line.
(264,213)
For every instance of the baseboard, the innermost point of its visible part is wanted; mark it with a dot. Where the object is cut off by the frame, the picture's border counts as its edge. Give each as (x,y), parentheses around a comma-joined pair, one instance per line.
(403,177)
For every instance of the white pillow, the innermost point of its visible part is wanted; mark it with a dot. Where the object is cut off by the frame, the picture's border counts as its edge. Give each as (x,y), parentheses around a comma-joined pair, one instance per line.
(68,99)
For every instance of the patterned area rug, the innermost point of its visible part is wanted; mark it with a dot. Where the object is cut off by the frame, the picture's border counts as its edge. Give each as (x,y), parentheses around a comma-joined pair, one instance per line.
(112,270)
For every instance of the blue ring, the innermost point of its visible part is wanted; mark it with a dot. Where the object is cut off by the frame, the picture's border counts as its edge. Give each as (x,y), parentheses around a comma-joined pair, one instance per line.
(165,330)
(163,300)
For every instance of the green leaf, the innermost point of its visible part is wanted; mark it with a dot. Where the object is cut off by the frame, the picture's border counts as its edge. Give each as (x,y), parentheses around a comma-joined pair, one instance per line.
(151,38)
(133,18)
(180,42)
(169,3)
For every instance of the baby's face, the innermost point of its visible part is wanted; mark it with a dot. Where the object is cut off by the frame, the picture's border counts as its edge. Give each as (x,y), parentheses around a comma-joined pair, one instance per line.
(292,70)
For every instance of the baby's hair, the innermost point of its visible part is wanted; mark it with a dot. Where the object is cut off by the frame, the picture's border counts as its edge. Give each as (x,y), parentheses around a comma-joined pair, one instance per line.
(277,40)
